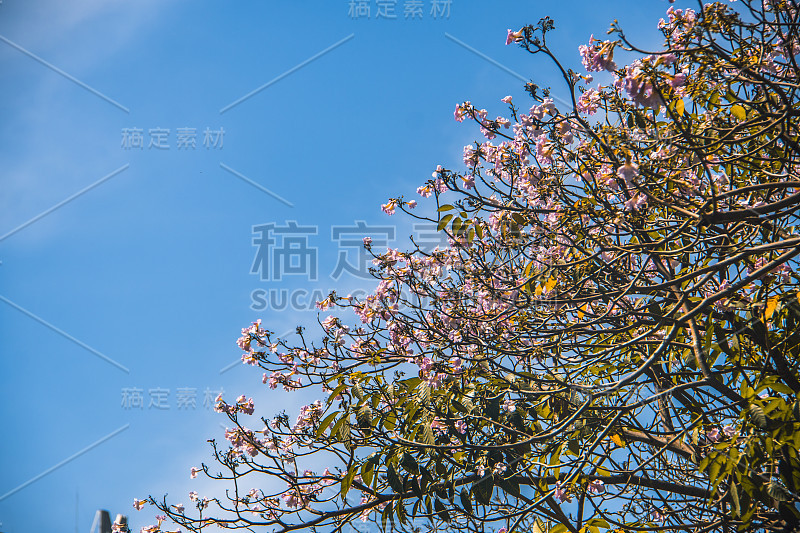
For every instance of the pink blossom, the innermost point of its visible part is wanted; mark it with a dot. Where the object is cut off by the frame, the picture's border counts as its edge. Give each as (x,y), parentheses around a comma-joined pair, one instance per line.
(637,200)
(471,156)
(245,406)
(389,207)
(513,36)
(412,204)
(588,102)
(426,364)
(138,504)
(274,379)
(713,435)
(509,405)
(678,80)
(596,486)
(425,191)
(461,426)
(438,426)
(598,56)
(461,111)
(628,171)
(329,323)
(194,471)
(729,431)
(193,496)
(561,493)
(219,405)
(180,508)
(639,88)
(506,100)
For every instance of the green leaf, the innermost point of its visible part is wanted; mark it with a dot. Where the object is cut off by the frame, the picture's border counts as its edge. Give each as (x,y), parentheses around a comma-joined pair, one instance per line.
(459,406)
(390,421)
(735,498)
(336,392)
(776,492)
(325,423)
(415,486)
(344,434)
(443,222)
(408,462)
(738,112)
(423,393)
(599,522)
(466,501)
(387,512)
(347,481)
(367,469)
(445,207)
(758,416)
(364,416)
(393,479)
(493,408)
(483,490)
(357,392)
(714,469)
(510,486)
(401,512)
(560,528)
(441,510)
(427,434)
(574,447)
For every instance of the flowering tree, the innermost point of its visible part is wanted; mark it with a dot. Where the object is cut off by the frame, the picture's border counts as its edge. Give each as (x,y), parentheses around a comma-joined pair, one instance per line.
(611,340)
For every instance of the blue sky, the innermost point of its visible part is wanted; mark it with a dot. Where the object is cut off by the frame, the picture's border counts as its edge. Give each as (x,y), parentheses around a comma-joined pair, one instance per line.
(140,284)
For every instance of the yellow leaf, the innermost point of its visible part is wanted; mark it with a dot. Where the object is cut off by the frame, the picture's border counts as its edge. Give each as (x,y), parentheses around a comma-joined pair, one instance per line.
(582,311)
(679,107)
(616,439)
(739,112)
(772,303)
(550,284)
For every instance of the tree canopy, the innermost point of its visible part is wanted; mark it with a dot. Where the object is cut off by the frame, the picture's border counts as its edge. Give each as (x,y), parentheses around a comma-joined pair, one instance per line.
(610,342)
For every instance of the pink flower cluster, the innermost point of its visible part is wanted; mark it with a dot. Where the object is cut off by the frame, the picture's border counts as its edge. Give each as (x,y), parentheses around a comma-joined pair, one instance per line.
(242,405)
(588,102)
(243,440)
(597,56)
(639,87)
